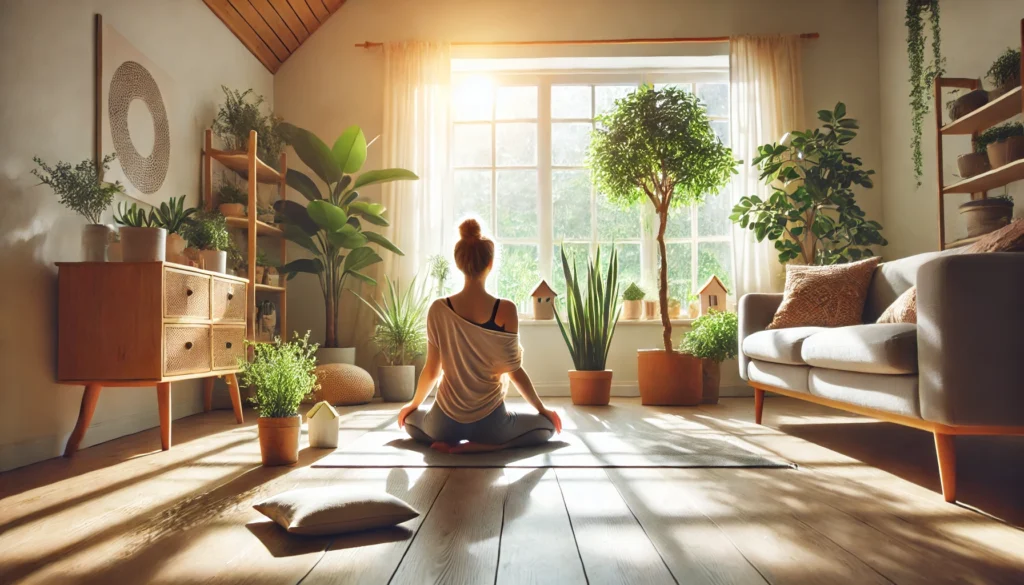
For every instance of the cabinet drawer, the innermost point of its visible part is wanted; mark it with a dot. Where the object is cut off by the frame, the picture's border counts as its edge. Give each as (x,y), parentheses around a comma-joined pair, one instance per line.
(228,300)
(186,349)
(228,346)
(186,294)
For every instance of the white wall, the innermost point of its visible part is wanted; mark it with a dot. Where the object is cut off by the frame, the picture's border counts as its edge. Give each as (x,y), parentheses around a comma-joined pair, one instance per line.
(46,109)
(328,84)
(974,33)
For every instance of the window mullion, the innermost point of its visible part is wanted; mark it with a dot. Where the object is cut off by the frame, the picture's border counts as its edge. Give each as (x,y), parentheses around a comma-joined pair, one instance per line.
(545,204)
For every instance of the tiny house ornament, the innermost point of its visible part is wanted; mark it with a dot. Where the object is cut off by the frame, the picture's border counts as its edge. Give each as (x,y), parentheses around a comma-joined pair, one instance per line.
(323,426)
(543,302)
(712,296)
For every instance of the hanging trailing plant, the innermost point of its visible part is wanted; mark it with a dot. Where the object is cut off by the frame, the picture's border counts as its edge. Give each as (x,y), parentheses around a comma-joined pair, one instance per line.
(921,75)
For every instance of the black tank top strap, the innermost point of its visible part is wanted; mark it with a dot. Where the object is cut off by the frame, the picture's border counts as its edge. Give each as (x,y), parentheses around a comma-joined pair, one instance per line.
(449,301)
(494,313)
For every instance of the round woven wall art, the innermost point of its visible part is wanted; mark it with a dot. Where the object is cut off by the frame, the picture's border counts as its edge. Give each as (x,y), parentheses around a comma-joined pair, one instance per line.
(132,81)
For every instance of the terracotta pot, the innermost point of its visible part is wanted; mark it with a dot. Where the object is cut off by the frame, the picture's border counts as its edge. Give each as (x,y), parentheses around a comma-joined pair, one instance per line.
(675,309)
(260,271)
(279,440)
(669,378)
(1004,88)
(176,248)
(971,164)
(651,310)
(986,215)
(967,103)
(711,373)
(590,388)
(231,209)
(1005,151)
(631,310)
(694,310)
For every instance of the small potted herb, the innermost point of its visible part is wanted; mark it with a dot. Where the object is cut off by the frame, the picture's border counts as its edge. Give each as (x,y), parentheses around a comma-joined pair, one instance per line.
(142,238)
(983,216)
(231,199)
(81,190)
(401,337)
(1004,74)
(172,215)
(261,265)
(713,338)
(632,302)
(208,232)
(1004,143)
(283,374)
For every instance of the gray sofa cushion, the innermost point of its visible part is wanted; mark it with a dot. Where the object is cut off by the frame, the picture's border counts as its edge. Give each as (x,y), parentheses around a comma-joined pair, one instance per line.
(779,346)
(893,278)
(778,375)
(895,394)
(877,348)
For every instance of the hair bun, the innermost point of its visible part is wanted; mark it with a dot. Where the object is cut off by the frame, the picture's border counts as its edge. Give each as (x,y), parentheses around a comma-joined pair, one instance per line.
(469,229)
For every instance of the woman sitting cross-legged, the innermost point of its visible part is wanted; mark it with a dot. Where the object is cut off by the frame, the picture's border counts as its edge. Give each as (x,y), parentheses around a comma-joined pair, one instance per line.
(473,343)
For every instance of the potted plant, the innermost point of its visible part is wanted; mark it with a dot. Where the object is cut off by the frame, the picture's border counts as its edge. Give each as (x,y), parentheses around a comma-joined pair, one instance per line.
(967,103)
(984,216)
(80,189)
(973,163)
(713,338)
(173,217)
(261,265)
(208,232)
(231,199)
(692,305)
(588,328)
(401,337)
(142,238)
(675,308)
(812,215)
(440,269)
(632,302)
(658,146)
(242,112)
(283,374)
(1004,74)
(265,213)
(1003,144)
(330,226)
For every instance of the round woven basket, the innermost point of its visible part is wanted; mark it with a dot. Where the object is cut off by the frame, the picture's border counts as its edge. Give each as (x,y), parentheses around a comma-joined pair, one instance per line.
(343,384)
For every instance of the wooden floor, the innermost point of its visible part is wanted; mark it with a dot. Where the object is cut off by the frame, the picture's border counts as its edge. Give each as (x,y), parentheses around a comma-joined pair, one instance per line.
(863,507)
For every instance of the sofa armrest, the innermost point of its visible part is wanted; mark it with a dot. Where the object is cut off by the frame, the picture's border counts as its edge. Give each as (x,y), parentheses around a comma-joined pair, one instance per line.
(756,312)
(970,317)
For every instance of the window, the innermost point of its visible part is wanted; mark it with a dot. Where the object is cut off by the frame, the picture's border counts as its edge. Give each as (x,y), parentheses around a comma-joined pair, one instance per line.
(519,147)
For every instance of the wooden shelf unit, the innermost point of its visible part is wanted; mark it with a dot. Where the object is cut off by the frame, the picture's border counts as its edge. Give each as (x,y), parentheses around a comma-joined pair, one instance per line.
(248,164)
(995,112)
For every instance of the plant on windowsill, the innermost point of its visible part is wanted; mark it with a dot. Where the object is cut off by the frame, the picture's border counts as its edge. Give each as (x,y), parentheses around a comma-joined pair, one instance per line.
(330,226)
(713,338)
(401,337)
(142,238)
(80,189)
(588,327)
(440,270)
(658,146)
(632,302)
(231,198)
(208,232)
(812,215)
(173,216)
(1004,74)
(283,374)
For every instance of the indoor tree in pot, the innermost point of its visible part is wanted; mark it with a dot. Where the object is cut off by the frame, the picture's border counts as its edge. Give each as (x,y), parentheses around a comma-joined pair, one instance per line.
(713,338)
(657,145)
(401,337)
(81,190)
(173,216)
(330,226)
(588,328)
(283,374)
(208,232)
(142,238)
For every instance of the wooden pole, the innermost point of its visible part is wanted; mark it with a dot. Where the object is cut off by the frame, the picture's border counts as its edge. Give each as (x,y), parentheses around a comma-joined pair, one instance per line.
(639,41)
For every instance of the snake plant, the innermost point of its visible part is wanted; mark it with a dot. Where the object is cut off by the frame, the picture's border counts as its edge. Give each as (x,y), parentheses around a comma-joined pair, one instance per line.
(172,215)
(590,314)
(134,216)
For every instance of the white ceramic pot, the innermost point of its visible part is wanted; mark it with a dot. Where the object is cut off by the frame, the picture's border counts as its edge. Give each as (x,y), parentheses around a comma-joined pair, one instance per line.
(231,209)
(336,355)
(214,260)
(397,383)
(96,238)
(143,244)
(631,310)
(176,249)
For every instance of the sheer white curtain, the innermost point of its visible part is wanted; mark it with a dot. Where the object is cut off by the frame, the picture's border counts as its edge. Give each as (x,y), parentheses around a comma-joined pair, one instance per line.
(417,85)
(766,101)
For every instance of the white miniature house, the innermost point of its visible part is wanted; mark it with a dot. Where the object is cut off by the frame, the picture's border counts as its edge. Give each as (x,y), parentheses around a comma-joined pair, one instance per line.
(323,426)
(712,296)
(543,302)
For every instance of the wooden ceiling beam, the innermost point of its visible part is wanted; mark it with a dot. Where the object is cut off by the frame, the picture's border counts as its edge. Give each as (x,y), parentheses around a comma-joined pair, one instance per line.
(305,15)
(319,9)
(290,18)
(245,33)
(277,24)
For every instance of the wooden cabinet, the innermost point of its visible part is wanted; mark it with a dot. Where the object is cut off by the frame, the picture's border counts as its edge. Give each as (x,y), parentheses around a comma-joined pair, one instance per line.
(147,324)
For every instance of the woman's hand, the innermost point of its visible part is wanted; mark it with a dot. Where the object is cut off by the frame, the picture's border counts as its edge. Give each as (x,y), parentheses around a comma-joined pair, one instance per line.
(551,416)
(406,411)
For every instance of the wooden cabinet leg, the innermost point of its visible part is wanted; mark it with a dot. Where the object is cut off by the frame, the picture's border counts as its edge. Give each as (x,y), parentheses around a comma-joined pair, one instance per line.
(163,400)
(758,404)
(208,394)
(85,411)
(946,451)
(236,397)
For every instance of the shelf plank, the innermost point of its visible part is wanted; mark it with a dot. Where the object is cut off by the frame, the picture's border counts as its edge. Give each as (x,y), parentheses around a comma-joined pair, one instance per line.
(269,288)
(1005,107)
(262,228)
(993,179)
(239,162)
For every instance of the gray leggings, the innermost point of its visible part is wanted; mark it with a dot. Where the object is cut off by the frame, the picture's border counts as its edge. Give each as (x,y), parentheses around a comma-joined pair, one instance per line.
(501,427)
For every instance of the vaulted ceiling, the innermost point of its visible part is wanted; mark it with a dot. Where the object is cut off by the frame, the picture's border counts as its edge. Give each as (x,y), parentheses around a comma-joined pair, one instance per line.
(273,29)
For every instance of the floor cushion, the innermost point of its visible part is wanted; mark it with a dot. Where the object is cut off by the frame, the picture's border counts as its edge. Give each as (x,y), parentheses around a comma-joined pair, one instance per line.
(334,510)
(877,348)
(779,346)
(778,375)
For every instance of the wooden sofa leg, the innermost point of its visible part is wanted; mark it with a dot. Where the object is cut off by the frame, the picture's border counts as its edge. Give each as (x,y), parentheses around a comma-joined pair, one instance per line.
(758,404)
(947,465)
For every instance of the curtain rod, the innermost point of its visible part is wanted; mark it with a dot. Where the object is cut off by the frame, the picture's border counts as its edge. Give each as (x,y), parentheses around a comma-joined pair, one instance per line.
(656,41)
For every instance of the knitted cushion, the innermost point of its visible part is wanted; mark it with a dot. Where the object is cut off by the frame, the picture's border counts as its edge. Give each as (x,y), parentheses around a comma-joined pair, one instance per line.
(903,309)
(1006,239)
(343,384)
(824,296)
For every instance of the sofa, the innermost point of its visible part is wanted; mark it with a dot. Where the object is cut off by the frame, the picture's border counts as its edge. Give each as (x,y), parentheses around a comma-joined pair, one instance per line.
(955,372)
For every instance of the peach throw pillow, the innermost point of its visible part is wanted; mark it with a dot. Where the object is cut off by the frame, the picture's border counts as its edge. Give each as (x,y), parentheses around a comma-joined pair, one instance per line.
(824,296)
(903,309)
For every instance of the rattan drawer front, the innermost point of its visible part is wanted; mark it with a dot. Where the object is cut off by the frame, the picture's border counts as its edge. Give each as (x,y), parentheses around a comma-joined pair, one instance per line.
(186,349)
(228,300)
(186,295)
(228,346)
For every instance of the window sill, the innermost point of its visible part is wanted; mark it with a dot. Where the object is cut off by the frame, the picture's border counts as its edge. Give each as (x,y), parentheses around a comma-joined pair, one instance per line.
(526,321)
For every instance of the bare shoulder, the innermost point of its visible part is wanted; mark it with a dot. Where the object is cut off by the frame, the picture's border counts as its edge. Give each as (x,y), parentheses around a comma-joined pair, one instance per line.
(508,316)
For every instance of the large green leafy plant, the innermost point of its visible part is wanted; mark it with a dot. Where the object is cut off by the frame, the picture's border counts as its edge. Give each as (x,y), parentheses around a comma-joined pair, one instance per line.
(811,214)
(657,145)
(922,75)
(591,314)
(330,226)
(79,187)
(283,373)
(401,332)
(713,337)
